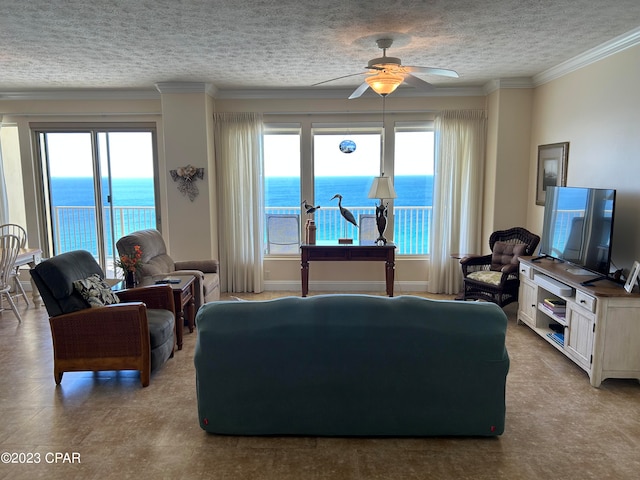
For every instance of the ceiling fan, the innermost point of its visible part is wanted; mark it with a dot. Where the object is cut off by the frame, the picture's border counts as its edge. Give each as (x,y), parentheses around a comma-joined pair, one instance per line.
(385,74)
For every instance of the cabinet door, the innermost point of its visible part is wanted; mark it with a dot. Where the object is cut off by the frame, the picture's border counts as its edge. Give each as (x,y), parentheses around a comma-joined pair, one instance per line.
(579,341)
(527,298)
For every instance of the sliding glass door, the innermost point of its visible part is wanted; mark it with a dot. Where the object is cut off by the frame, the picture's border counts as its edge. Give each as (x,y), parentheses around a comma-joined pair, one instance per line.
(99,185)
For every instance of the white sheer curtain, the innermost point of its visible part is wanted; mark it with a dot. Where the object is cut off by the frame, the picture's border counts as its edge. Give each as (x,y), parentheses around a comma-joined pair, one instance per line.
(238,159)
(4,202)
(457,195)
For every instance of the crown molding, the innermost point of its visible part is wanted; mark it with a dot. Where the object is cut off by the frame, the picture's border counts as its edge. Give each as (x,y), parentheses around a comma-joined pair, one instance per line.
(81,94)
(340,93)
(187,87)
(616,45)
(497,84)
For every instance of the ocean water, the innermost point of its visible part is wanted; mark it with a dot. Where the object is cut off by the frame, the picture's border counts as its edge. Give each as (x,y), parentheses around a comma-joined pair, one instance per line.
(412,191)
(78,191)
(280,192)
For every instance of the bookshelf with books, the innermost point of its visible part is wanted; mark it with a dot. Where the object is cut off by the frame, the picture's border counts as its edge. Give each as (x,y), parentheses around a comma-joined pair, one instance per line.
(597,327)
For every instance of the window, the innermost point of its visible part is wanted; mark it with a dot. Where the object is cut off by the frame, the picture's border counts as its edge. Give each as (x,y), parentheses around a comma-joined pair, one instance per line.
(413,181)
(99,186)
(293,175)
(282,190)
(346,174)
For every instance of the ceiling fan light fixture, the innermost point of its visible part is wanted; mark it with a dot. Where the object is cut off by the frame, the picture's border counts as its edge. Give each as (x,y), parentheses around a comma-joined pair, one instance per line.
(385,62)
(384,83)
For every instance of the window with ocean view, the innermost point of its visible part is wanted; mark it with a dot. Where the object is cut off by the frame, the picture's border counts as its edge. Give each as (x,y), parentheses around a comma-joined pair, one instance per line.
(332,172)
(282,190)
(99,186)
(413,181)
(346,174)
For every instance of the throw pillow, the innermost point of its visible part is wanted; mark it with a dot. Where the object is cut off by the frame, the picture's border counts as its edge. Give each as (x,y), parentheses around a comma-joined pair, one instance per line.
(96,291)
(505,253)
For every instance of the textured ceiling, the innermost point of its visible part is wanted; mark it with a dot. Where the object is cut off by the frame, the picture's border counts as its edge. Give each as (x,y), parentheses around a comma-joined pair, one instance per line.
(266,44)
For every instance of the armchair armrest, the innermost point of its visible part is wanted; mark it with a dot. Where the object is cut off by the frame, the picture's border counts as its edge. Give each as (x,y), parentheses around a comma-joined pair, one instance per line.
(475,263)
(118,330)
(153,296)
(476,260)
(205,266)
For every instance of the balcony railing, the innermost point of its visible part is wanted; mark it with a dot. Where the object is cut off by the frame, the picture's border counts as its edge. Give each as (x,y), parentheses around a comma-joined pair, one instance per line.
(75,227)
(411,225)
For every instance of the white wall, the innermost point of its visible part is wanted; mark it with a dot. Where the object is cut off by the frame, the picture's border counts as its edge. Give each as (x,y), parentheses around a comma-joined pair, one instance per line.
(597,110)
(507,162)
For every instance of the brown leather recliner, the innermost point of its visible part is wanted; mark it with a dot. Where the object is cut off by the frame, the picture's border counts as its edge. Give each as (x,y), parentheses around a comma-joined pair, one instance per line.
(156,261)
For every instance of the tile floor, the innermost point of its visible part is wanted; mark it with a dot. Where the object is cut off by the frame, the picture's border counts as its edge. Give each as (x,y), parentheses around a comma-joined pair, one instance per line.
(557,426)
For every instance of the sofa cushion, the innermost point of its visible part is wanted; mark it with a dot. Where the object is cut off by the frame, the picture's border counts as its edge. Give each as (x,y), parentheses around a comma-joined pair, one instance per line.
(96,291)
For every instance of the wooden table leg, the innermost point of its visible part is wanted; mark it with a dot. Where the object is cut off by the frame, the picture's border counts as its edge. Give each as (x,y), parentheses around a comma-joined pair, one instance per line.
(390,274)
(191,314)
(179,327)
(305,276)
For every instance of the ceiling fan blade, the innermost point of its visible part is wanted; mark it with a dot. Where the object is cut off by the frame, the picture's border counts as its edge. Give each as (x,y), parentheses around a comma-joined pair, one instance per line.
(338,78)
(359,91)
(417,82)
(443,72)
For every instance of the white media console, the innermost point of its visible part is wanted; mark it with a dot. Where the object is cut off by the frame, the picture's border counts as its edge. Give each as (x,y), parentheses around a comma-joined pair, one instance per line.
(600,330)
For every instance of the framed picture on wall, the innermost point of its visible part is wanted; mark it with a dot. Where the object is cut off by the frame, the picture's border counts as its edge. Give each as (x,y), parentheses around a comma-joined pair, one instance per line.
(552,168)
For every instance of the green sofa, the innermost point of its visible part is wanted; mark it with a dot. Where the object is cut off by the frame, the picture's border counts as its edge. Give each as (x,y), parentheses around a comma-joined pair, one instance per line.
(351,365)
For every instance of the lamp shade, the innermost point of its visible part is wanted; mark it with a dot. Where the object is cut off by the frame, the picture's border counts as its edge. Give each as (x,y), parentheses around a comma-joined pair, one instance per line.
(382,188)
(384,82)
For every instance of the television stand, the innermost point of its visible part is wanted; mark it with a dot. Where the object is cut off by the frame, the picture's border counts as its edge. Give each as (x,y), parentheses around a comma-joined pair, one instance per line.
(600,329)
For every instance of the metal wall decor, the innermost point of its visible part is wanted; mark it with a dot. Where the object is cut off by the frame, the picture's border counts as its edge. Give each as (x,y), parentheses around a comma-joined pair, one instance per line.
(186,177)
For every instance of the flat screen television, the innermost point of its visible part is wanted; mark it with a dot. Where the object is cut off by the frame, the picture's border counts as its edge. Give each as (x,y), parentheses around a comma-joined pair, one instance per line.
(578,228)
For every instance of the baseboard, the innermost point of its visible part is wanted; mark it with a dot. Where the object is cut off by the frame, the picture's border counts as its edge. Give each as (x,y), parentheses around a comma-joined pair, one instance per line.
(332,286)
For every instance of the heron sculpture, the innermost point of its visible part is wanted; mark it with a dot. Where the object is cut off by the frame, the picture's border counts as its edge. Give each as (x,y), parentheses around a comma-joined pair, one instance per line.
(348,216)
(309,209)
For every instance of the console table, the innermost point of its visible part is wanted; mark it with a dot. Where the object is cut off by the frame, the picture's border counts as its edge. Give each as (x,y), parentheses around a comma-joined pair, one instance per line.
(600,329)
(333,252)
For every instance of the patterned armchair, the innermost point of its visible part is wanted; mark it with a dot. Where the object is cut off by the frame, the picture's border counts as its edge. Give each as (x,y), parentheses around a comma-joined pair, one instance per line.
(494,277)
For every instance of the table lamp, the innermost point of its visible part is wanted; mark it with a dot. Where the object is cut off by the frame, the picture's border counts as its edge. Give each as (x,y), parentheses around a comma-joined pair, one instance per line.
(382,188)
